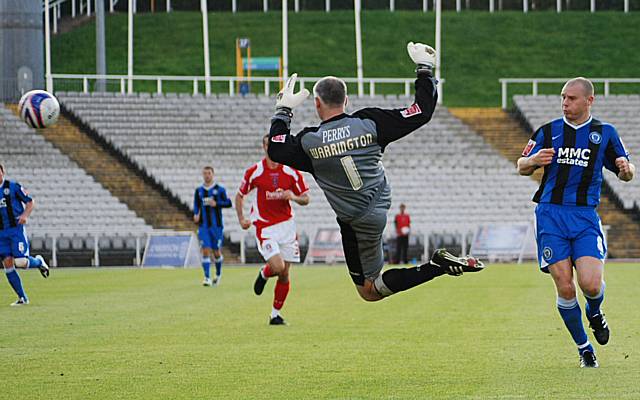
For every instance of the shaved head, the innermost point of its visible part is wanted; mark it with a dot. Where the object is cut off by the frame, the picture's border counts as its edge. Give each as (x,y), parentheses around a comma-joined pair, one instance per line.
(584,83)
(577,98)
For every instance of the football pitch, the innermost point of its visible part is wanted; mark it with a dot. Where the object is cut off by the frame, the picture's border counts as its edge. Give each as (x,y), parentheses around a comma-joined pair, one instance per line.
(158,334)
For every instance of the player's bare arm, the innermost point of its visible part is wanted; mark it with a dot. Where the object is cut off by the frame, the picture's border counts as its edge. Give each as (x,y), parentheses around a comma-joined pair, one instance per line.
(196,218)
(627,170)
(302,200)
(528,165)
(244,223)
(28,209)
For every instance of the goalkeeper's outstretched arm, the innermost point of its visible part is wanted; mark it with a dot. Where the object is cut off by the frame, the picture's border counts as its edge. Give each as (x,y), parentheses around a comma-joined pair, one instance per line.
(395,124)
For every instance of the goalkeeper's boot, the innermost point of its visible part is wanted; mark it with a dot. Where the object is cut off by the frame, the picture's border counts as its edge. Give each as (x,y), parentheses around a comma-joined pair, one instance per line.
(588,359)
(206,282)
(454,265)
(258,285)
(22,301)
(600,329)
(277,320)
(44,268)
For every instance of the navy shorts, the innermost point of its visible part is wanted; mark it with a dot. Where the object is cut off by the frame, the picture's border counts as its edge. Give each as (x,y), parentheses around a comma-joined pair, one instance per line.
(210,238)
(568,232)
(14,243)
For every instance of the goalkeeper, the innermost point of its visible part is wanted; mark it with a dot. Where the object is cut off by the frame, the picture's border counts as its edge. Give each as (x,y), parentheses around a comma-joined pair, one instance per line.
(344,155)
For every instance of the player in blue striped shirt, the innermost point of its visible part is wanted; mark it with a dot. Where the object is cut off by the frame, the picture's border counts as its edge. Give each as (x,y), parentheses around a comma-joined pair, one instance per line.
(573,150)
(15,208)
(208,202)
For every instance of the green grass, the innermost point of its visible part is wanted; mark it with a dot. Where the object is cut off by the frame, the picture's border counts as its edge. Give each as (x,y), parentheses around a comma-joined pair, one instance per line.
(157,334)
(478,47)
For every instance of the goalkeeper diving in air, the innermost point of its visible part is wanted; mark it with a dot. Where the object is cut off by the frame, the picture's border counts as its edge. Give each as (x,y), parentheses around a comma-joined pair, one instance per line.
(344,155)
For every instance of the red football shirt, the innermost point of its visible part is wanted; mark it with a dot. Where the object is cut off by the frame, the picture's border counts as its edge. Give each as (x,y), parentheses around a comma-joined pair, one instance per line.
(402,221)
(269,207)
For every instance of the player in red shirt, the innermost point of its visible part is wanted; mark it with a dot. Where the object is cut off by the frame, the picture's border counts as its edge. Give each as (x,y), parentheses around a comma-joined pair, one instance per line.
(272,216)
(403,228)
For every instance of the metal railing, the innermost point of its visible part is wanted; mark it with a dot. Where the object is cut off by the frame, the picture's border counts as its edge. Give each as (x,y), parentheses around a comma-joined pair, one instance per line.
(535,83)
(270,85)
(84,6)
(95,234)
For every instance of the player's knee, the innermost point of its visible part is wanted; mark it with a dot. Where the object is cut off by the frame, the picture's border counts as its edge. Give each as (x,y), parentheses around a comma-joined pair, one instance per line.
(21,262)
(206,252)
(592,287)
(7,262)
(566,290)
(277,265)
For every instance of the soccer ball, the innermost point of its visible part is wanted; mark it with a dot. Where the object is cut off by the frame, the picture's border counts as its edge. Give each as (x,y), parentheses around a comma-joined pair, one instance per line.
(39,109)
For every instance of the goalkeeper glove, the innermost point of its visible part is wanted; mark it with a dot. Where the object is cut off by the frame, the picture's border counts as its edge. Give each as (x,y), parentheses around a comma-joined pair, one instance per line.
(286,100)
(423,55)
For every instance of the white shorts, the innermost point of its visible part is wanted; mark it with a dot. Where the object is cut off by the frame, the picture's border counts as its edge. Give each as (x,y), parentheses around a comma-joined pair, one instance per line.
(280,239)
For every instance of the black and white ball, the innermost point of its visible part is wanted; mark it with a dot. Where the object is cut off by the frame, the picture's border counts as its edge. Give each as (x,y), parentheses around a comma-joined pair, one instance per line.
(39,109)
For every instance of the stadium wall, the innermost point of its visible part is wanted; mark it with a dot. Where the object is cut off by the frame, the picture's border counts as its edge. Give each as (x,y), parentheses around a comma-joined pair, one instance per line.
(21,48)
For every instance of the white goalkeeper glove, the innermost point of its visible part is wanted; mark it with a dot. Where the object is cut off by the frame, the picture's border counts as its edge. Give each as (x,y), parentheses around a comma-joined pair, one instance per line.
(286,100)
(423,55)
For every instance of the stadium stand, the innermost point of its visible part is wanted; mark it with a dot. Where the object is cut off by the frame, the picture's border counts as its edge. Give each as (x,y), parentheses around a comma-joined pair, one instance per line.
(448,177)
(71,206)
(619,110)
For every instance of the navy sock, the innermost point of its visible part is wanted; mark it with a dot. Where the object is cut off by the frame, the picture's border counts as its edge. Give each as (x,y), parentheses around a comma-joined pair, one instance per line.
(34,262)
(572,317)
(593,303)
(399,279)
(206,266)
(15,281)
(219,265)
(585,347)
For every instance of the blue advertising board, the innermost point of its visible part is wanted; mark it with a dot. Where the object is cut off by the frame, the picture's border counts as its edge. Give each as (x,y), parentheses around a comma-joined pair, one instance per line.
(178,249)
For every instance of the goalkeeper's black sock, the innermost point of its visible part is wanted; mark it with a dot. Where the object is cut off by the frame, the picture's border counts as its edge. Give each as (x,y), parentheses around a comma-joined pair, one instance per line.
(400,279)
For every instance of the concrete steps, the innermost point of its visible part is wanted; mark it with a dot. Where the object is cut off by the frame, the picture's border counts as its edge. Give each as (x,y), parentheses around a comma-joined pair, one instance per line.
(115,176)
